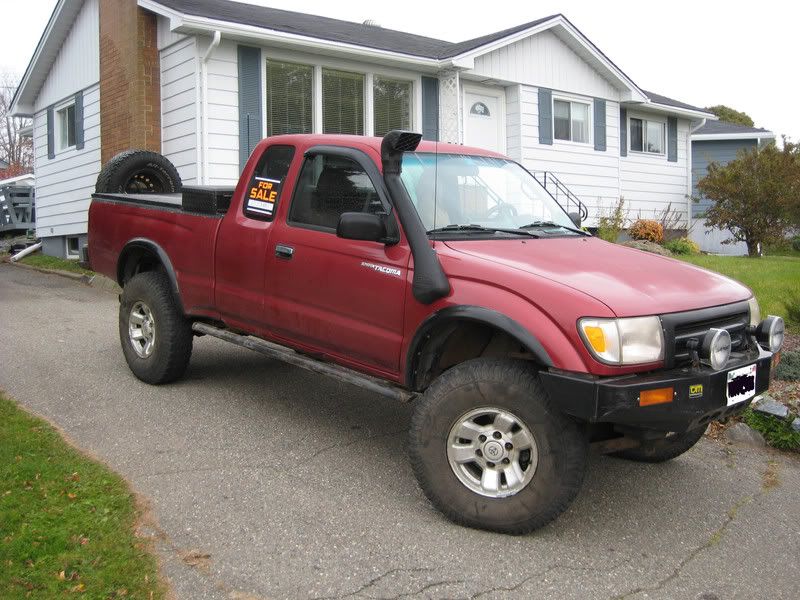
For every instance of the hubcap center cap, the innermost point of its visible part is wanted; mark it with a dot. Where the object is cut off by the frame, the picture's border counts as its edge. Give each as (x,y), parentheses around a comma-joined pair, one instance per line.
(493,450)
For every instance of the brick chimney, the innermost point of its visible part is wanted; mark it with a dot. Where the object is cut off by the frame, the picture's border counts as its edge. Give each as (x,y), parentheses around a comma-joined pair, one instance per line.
(130,90)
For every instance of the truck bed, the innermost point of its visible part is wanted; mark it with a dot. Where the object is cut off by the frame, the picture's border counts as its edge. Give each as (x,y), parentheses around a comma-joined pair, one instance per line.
(204,200)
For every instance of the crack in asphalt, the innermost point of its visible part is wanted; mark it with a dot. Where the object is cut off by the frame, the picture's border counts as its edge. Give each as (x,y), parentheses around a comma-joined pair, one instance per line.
(543,573)
(374,581)
(712,540)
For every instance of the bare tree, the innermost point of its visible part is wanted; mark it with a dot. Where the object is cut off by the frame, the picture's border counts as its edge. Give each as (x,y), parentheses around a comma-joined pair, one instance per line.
(15,149)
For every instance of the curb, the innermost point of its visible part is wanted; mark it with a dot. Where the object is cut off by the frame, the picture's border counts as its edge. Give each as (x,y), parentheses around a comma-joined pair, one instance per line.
(96,281)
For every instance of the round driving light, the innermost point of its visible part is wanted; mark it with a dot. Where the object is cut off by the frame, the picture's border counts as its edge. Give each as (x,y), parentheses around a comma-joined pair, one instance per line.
(716,348)
(769,333)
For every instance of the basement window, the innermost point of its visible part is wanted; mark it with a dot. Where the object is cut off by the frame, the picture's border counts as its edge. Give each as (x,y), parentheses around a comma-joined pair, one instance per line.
(66,126)
(73,246)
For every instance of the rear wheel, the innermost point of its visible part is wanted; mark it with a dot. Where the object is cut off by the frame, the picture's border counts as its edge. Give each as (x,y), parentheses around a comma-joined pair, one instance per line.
(490,451)
(662,450)
(156,338)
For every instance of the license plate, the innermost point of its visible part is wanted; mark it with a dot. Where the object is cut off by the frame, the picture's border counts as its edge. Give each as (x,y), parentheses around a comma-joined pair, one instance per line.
(741,384)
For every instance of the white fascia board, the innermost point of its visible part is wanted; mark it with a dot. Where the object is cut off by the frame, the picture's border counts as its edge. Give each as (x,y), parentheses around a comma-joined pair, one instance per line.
(192,25)
(673,110)
(634,93)
(22,104)
(753,135)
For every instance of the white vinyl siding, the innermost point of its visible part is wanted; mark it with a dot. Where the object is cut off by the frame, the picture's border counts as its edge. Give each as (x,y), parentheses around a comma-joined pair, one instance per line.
(77,65)
(223,115)
(64,184)
(179,121)
(591,175)
(545,60)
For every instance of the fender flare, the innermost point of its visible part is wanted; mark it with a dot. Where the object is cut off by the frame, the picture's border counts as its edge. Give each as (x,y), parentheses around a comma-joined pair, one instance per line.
(163,257)
(473,314)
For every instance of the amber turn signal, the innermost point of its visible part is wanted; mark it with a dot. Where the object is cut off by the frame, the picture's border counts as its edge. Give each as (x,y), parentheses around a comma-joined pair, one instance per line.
(657,396)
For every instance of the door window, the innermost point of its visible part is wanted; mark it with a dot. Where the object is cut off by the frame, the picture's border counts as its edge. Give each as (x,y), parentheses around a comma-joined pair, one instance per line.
(329,186)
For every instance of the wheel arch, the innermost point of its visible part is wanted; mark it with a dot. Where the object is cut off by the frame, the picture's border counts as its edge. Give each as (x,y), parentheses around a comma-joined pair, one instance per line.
(140,255)
(435,332)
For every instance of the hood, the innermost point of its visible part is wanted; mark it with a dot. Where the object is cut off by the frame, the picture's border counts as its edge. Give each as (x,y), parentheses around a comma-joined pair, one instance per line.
(630,282)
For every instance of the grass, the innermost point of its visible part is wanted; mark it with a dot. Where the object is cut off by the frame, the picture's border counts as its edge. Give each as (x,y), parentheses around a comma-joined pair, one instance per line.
(43,261)
(777,432)
(775,280)
(66,522)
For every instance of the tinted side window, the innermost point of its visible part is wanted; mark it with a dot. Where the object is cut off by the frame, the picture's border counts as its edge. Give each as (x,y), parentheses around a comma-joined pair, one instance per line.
(264,190)
(329,186)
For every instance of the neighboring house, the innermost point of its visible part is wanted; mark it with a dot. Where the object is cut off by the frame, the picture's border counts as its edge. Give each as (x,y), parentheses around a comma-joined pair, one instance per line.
(201,81)
(3,165)
(718,142)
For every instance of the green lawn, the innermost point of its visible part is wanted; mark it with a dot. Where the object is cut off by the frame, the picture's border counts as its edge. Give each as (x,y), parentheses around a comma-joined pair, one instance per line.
(57,264)
(66,522)
(775,280)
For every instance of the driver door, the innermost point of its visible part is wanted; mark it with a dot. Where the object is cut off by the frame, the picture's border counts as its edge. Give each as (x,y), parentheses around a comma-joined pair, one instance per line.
(340,297)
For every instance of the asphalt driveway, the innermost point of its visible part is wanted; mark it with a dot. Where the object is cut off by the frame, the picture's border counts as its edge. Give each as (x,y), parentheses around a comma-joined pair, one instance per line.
(269,482)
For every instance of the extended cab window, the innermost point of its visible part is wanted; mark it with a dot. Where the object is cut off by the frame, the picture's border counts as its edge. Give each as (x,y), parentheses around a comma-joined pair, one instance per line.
(264,190)
(329,186)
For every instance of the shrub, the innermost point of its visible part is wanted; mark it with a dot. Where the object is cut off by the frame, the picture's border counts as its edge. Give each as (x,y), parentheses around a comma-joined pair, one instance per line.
(610,224)
(796,243)
(792,306)
(647,230)
(777,432)
(682,246)
(789,367)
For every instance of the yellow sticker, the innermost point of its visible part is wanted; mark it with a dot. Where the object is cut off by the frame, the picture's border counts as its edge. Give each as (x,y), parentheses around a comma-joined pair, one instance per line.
(695,390)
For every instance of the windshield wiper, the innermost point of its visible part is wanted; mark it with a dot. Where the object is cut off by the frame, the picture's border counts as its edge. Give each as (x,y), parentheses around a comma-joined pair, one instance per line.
(453,228)
(542,224)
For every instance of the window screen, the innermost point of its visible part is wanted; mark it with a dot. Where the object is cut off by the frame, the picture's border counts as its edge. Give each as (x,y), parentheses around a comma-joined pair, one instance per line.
(289,98)
(561,120)
(66,123)
(264,189)
(391,105)
(637,136)
(342,102)
(329,186)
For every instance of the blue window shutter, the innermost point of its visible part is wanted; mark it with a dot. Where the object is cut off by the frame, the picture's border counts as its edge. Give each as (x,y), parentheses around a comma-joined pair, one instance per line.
(672,139)
(79,139)
(249,101)
(599,125)
(430,108)
(545,116)
(623,131)
(51,133)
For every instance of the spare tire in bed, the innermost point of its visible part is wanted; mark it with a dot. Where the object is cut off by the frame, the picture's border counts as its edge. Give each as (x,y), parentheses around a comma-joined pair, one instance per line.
(138,172)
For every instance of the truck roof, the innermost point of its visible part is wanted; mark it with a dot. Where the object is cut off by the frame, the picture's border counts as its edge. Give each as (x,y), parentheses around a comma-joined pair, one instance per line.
(373,143)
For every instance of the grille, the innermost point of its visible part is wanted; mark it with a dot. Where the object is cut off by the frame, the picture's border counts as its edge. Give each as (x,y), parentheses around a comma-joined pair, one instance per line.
(679,328)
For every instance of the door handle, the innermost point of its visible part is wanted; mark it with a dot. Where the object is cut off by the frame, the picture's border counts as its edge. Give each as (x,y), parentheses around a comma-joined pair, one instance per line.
(283,251)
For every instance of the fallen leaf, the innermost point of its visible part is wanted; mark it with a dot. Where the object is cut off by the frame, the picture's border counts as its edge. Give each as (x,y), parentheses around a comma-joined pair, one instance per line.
(62,575)
(80,588)
(71,496)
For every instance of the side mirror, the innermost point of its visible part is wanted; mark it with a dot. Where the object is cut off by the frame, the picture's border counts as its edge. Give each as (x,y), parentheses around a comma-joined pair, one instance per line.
(576,218)
(361,226)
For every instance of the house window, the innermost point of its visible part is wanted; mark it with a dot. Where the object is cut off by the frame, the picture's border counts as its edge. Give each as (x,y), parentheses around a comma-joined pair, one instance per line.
(391,105)
(571,121)
(73,246)
(66,127)
(289,98)
(342,102)
(647,136)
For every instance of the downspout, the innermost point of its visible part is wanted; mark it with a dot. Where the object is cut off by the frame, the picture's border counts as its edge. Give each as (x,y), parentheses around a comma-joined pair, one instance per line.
(689,172)
(203,147)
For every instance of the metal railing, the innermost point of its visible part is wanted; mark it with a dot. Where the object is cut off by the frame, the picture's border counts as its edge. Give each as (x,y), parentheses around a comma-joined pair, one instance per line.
(17,208)
(561,193)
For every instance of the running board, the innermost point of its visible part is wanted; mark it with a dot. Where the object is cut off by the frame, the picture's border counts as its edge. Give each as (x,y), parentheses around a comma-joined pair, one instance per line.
(288,355)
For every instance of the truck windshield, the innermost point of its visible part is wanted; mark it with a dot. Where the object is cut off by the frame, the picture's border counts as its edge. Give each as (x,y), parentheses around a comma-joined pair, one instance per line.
(466,193)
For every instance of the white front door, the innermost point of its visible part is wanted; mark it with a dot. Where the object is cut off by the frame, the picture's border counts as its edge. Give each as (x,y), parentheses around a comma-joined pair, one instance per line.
(484,118)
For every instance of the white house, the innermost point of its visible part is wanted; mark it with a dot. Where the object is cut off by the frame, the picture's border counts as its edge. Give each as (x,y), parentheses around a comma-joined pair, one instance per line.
(201,81)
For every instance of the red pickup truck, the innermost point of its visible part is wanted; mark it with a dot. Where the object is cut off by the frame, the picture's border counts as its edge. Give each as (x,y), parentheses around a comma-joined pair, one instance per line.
(440,274)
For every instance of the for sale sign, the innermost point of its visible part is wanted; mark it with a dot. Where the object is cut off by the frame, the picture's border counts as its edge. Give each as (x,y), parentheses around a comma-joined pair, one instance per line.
(262,196)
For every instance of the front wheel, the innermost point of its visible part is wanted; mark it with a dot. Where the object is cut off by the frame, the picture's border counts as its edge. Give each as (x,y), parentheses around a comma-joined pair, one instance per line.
(156,338)
(490,451)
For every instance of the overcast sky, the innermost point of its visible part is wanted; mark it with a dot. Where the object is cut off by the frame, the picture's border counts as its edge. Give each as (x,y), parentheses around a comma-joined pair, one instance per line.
(743,54)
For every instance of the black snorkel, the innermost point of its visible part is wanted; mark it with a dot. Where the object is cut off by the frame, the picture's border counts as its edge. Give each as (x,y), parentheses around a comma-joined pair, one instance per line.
(430,283)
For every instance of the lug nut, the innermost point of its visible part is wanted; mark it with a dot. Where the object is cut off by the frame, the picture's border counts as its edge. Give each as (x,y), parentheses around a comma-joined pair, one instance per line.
(506,461)
(478,453)
(482,438)
(509,446)
(491,464)
(497,435)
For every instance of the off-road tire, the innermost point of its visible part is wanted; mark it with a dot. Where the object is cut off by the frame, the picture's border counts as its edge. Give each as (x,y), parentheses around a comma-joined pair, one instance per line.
(138,171)
(173,333)
(656,451)
(512,386)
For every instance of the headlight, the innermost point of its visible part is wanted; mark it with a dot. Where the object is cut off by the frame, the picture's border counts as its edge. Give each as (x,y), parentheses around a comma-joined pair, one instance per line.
(715,349)
(770,333)
(755,311)
(631,341)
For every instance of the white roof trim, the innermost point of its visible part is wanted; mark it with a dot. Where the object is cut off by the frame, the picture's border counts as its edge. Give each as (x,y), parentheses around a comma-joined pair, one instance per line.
(674,110)
(752,135)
